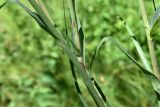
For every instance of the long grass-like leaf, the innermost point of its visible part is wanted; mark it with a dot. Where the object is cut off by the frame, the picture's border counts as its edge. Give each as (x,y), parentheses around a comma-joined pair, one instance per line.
(99,90)
(86,78)
(78,35)
(46,20)
(80,68)
(83,100)
(154,80)
(2,5)
(155,21)
(78,39)
(124,51)
(137,45)
(37,18)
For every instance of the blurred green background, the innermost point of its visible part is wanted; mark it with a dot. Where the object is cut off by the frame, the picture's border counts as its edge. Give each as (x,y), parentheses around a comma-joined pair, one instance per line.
(34,70)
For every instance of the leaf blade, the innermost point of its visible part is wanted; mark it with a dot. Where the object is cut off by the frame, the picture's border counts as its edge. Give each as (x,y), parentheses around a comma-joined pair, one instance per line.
(155,20)
(3,4)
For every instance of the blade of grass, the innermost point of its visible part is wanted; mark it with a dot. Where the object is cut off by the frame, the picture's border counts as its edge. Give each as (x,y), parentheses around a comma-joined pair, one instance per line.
(149,39)
(154,80)
(99,90)
(46,20)
(154,5)
(78,35)
(81,69)
(2,5)
(83,100)
(154,22)
(37,18)
(41,4)
(78,38)
(137,45)
(86,78)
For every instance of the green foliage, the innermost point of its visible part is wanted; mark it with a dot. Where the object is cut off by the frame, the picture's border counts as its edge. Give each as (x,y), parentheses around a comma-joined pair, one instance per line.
(35,72)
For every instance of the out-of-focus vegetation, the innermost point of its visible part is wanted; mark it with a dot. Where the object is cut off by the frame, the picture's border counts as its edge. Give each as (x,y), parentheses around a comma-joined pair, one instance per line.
(35,72)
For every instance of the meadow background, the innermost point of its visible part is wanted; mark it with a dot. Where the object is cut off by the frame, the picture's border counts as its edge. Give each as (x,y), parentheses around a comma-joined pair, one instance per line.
(34,70)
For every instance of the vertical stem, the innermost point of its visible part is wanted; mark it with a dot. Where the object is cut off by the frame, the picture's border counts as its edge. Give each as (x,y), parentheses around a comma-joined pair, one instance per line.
(149,39)
(76,39)
(74,23)
(75,35)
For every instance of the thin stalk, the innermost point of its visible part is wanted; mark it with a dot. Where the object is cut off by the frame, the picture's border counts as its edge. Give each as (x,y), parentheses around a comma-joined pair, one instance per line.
(75,33)
(149,39)
(76,40)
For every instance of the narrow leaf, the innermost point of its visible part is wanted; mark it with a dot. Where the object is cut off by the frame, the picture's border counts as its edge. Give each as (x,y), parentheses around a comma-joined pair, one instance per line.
(78,35)
(137,45)
(150,75)
(46,20)
(83,100)
(1,6)
(37,18)
(155,81)
(99,90)
(155,21)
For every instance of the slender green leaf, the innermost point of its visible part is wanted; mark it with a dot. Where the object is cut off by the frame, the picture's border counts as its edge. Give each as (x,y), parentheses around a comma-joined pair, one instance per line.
(3,5)
(155,81)
(37,18)
(86,78)
(137,45)
(124,51)
(78,39)
(99,90)
(77,30)
(46,20)
(155,21)
(83,100)
(81,69)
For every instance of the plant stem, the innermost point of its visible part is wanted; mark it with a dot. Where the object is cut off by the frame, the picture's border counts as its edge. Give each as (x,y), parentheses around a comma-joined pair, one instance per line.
(76,39)
(74,23)
(149,39)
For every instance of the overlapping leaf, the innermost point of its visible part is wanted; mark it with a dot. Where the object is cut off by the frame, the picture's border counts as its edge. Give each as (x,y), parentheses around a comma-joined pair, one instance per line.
(155,81)
(155,21)
(137,45)
(37,18)
(43,20)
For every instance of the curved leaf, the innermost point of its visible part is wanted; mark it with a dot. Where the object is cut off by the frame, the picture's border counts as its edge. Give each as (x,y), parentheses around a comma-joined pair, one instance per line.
(154,80)
(145,71)
(137,45)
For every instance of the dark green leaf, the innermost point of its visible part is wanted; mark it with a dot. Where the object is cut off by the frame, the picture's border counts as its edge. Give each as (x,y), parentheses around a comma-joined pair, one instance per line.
(155,81)
(3,5)
(37,18)
(127,54)
(155,21)
(46,20)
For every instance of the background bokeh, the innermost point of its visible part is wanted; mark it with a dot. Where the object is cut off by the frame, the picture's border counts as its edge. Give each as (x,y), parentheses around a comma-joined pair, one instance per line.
(34,70)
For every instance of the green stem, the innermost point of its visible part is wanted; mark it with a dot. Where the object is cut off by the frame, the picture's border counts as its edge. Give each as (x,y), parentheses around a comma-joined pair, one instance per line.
(149,39)
(76,39)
